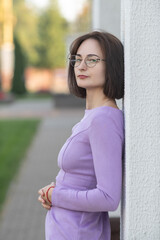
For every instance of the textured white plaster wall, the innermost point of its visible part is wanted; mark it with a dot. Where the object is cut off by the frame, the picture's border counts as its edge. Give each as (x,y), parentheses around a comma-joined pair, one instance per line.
(141,188)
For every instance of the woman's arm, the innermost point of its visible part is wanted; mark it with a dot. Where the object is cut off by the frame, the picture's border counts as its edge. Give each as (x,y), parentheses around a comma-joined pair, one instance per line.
(106,141)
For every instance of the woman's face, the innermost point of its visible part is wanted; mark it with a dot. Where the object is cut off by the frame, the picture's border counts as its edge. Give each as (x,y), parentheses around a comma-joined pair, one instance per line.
(90,77)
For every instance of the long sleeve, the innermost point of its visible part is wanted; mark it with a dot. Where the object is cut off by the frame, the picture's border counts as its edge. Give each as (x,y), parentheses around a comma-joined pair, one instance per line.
(106,142)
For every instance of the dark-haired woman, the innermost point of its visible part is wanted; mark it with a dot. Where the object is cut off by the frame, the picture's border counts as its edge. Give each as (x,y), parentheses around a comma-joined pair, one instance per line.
(88,184)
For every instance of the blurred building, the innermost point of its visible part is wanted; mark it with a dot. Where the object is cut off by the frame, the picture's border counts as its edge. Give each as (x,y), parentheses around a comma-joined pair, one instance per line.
(6,44)
(44,80)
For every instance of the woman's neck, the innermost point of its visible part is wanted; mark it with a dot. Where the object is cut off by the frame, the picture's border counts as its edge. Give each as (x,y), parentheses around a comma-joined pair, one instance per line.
(96,98)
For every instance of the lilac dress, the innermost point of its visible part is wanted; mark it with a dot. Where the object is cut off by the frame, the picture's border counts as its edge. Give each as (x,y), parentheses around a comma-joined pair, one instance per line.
(88,184)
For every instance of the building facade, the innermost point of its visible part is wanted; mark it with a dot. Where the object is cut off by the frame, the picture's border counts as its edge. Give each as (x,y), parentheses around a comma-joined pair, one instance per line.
(6,43)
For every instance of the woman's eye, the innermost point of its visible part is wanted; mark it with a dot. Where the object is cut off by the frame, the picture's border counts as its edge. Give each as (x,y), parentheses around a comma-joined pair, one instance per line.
(92,60)
(78,60)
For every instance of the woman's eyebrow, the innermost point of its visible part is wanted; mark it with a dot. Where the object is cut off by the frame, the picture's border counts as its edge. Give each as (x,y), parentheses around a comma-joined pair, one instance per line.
(89,55)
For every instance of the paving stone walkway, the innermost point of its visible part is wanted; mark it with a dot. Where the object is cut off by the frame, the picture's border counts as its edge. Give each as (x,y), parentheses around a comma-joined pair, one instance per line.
(23,217)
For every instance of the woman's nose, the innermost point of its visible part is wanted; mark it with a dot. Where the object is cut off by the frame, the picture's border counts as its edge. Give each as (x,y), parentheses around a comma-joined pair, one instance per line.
(82,65)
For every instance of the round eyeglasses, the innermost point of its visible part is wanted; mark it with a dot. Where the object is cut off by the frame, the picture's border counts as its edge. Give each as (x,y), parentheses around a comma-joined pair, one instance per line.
(90,60)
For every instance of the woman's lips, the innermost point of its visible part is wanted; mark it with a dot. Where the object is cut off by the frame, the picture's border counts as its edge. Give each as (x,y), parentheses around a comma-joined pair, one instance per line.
(82,76)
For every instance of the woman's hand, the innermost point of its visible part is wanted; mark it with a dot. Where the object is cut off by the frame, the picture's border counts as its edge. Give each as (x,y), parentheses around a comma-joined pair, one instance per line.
(43,192)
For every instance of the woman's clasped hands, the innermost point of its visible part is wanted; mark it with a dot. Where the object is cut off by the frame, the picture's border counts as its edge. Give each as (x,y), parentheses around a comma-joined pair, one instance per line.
(45,196)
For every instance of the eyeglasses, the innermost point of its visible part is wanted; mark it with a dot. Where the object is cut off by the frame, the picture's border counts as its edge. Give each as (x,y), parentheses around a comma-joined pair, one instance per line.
(90,60)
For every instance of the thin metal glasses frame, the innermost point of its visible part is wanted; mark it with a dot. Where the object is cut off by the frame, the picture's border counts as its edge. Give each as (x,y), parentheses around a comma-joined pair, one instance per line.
(89,60)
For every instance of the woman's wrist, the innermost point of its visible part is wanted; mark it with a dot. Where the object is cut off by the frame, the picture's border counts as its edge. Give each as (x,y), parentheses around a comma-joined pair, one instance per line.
(49,193)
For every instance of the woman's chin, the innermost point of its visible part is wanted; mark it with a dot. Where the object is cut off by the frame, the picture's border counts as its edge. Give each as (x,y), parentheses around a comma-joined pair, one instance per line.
(82,84)
(86,86)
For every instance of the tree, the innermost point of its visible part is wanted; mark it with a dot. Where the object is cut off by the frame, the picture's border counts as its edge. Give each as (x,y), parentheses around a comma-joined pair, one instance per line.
(52,29)
(18,83)
(41,34)
(26,30)
(82,22)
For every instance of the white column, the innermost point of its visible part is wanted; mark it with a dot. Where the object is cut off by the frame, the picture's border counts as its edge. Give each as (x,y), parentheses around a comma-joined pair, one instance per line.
(140,218)
(95,14)
(106,16)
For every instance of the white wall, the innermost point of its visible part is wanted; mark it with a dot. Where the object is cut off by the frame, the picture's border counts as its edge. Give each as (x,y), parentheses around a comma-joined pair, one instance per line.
(141,188)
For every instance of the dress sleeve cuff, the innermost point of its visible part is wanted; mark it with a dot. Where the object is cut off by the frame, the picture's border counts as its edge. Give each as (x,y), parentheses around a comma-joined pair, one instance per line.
(54,196)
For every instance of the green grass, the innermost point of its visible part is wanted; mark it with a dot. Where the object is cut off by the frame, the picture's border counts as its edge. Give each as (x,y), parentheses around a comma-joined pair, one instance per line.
(15,138)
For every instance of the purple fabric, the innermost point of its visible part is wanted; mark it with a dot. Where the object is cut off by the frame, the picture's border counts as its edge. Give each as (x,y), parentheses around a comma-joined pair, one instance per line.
(88,184)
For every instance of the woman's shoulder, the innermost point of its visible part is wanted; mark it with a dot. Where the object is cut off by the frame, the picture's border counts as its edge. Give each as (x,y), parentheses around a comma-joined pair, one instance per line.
(107,116)
(100,118)
(104,112)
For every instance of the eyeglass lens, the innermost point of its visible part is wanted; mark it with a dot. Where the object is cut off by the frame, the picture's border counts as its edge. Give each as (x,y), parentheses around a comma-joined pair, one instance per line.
(90,61)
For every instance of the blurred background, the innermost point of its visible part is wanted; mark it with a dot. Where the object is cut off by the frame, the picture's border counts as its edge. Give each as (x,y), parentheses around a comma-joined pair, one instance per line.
(36,110)
(34,40)
(35,37)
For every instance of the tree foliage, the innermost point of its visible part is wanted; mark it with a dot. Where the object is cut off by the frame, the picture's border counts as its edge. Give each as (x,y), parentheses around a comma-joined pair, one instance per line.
(18,83)
(52,29)
(41,34)
(25,30)
(82,22)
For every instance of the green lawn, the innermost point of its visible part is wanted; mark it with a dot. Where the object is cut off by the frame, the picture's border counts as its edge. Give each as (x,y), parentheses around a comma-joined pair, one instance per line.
(15,138)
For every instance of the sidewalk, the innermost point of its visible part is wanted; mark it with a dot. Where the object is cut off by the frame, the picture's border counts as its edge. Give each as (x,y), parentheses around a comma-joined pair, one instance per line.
(28,109)
(23,217)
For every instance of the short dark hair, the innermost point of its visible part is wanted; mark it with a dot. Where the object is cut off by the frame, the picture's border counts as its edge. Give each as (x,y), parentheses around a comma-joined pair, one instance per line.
(113,51)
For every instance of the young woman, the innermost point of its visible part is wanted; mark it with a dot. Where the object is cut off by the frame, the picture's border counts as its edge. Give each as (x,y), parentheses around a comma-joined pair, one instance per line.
(88,184)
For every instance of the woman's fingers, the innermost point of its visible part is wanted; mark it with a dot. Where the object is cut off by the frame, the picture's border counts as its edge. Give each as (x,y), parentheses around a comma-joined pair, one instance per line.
(41,192)
(41,200)
(42,196)
(46,206)
(43,203)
